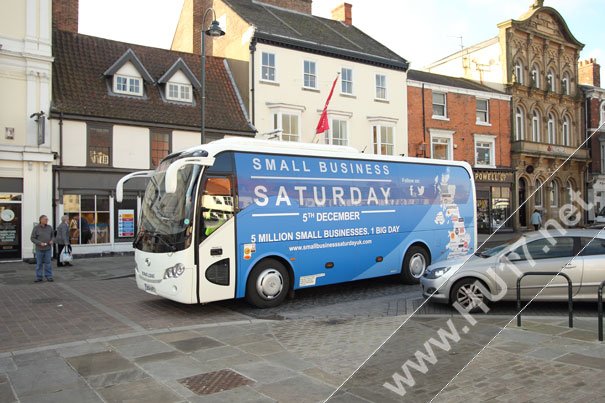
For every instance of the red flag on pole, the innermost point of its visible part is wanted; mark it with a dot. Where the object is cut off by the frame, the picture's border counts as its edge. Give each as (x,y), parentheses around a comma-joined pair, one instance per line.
(323,123)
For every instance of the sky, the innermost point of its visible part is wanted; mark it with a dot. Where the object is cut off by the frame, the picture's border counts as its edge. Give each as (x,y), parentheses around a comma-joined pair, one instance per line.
(422,31)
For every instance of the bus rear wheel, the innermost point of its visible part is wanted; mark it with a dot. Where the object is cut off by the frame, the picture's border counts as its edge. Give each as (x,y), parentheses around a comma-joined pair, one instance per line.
(415,263)
(268,284)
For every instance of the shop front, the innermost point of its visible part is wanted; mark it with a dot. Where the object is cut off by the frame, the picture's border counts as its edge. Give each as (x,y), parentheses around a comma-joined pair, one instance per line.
(97,223)
(494,199)
(11,218)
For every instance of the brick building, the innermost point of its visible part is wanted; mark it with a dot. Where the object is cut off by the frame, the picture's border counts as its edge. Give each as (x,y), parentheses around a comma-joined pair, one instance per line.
(459,119)
(594,114)
(535,59)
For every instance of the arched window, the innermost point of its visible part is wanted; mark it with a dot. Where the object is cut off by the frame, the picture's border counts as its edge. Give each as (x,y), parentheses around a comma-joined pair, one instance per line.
(551,127)
(518,72)
(535,127)
(535,76)
(602,113)
(550,81)
(565,84)
(539,195)
(519,124)
(554,194)
(566,131)
(569,192)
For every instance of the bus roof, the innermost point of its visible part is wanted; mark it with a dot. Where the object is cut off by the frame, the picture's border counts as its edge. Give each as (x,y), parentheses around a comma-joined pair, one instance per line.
(310,150)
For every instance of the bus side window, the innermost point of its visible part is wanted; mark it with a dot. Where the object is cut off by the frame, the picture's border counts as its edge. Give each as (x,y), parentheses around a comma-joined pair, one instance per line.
(217,203)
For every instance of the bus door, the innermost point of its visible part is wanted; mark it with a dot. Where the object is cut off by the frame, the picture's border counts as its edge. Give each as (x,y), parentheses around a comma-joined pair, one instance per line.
(216,259)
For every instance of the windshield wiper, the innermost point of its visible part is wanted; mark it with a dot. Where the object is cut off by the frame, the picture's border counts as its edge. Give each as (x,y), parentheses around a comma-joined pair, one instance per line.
(157,236)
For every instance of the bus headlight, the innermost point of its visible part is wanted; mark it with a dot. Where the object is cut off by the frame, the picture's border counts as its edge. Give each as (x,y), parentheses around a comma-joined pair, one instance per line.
(175,271)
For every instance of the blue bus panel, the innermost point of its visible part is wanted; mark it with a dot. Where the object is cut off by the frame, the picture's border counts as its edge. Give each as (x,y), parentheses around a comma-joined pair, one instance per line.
(313,211)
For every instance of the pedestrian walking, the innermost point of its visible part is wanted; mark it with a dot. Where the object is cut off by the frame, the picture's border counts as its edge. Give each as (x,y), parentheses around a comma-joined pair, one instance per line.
(42,237)
(62,240)
(536,220)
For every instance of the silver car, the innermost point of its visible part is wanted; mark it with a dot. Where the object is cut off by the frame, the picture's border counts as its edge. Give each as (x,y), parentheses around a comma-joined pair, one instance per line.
(579,253)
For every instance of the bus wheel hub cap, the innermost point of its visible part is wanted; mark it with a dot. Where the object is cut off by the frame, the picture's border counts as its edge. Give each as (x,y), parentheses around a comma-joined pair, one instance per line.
(417,265)
(269,283)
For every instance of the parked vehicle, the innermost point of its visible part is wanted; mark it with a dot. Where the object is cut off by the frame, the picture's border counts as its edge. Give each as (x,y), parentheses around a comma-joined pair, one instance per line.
(247,218)
(579,253)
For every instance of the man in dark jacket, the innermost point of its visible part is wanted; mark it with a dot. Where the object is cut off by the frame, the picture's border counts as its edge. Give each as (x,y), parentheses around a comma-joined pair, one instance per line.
(42,237)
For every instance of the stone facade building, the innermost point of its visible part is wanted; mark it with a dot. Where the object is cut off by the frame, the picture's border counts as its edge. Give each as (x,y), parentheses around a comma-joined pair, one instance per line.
(535,59)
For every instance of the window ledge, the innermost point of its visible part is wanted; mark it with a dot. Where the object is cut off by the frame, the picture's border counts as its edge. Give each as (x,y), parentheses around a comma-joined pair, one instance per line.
(269,82)
(310,89)
(480,123)
(343,94)
(484,166)
(437,117)
(384,101)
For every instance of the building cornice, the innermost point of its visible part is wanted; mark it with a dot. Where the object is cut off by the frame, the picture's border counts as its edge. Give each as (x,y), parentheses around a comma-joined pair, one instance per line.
(457,90)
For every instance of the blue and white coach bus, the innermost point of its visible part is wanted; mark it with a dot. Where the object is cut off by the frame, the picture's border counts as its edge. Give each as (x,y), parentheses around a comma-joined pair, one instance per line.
(256,219)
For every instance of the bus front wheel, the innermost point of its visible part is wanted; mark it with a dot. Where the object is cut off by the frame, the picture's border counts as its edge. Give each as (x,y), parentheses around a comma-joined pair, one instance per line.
(268,284)
(414,264)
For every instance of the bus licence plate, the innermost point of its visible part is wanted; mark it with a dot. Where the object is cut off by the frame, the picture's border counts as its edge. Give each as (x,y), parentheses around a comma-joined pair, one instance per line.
(150,288)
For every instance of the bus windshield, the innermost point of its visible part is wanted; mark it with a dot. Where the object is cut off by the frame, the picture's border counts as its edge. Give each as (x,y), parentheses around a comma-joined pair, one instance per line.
(167,218)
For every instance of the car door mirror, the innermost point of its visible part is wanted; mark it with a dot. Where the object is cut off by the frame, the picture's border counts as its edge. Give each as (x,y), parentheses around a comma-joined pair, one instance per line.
(512,256)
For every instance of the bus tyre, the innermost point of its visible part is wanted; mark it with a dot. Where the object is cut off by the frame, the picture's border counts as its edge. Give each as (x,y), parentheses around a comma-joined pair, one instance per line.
(414,264)
(268,284)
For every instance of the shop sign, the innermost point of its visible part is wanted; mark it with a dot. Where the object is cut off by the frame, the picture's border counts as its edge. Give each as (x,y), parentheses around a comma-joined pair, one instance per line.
(493,176)
(599,185)
(125,223)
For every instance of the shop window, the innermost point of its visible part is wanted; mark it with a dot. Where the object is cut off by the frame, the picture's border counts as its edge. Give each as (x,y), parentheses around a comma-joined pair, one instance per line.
(99,145)
(500,206)
(88,218)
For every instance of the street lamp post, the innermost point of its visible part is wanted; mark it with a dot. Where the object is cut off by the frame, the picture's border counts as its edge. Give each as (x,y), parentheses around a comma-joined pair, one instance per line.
(213,30)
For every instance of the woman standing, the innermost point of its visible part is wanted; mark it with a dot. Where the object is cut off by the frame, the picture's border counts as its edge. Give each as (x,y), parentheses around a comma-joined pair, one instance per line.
(62,240)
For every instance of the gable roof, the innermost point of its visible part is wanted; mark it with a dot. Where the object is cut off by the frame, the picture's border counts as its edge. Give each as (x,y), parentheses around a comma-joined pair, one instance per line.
(314,34)
(448,81)
(525,22)
(129,56)
(82,90)
(180,65)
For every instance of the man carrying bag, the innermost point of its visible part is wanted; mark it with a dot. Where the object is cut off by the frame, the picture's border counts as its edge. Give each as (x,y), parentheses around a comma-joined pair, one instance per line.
(64,257)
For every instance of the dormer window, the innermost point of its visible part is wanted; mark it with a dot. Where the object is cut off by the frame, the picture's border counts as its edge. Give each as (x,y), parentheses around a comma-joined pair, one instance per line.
(128,85)
(179,82)
(179,92)
(128,75)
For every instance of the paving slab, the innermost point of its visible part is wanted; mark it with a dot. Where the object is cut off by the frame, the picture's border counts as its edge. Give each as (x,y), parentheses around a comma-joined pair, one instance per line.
(44,376)
(300,388)
(99,363)
(143,348)
(241,394)
(82,349)
(6,392)
(264,372)
(29,358)
(147,390)
(288,360)
(232,361)
(158,357)
(264,347)
(195,344)
(583,360)
(216,353)
(176,368)
(116,378)
(7,364)
(78,392)
(170,337)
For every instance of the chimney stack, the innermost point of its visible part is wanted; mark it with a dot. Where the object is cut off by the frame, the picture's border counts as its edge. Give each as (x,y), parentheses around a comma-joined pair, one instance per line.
(65,15)
(343,13)
(589,72)
(302,6)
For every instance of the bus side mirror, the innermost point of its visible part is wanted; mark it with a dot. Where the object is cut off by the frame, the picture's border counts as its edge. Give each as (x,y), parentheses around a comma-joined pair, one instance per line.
(171,179)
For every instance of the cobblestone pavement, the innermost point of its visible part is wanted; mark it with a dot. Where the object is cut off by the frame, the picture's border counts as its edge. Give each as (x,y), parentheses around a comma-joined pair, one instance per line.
(92,336)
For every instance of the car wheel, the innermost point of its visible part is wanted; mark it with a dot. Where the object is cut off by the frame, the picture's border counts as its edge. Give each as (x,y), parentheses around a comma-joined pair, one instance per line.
(415,263)
(268,284)
(468,294)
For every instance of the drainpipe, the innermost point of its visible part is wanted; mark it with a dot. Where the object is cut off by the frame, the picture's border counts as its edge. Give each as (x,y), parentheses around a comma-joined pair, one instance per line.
(61,139)
(423,122)
(252,81)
